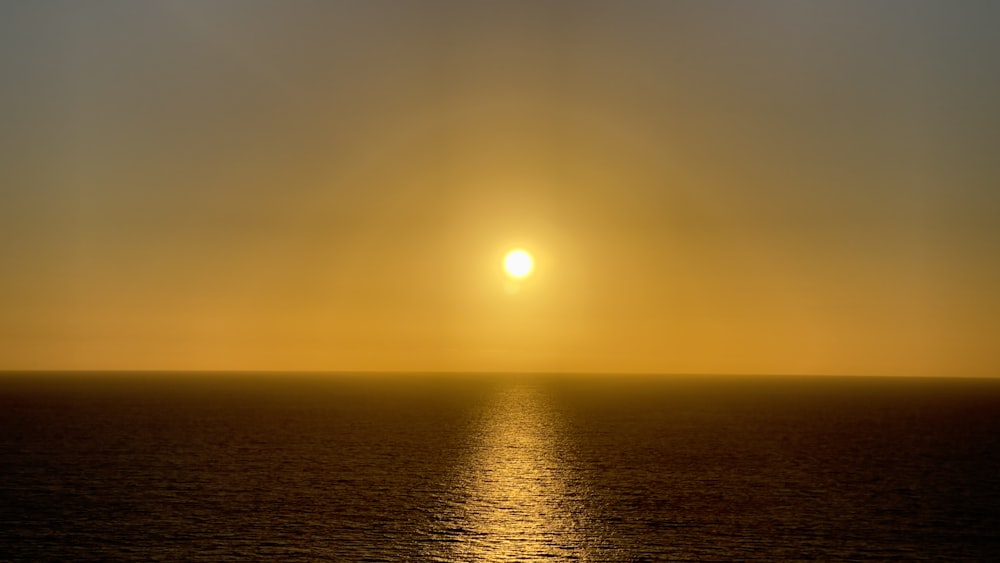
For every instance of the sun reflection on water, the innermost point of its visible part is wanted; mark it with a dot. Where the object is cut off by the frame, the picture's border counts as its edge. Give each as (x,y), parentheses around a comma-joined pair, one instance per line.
(515,498)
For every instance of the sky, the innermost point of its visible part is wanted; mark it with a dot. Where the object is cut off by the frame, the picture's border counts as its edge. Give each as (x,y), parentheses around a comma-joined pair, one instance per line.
(793,187)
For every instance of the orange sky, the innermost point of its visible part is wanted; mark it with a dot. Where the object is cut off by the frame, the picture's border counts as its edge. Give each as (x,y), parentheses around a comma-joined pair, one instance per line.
(776,187)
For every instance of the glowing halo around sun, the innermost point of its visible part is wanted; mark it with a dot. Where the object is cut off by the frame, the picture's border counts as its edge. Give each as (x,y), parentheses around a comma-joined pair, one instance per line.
(518,264)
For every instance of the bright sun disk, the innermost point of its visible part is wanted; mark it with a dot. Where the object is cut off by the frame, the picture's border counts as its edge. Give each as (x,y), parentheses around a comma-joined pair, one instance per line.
(518,263)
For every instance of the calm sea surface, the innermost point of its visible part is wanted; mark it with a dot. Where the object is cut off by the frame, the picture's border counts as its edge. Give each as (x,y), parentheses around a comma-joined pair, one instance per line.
(493,468)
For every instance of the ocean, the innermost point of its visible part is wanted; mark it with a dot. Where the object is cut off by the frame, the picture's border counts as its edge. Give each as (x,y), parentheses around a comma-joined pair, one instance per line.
(425,467)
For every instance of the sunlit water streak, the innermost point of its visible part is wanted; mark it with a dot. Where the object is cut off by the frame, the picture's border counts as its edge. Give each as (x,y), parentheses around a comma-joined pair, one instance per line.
(515,498)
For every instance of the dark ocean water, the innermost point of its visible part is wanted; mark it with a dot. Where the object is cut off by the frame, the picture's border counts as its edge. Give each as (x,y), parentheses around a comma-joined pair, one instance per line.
(492,468)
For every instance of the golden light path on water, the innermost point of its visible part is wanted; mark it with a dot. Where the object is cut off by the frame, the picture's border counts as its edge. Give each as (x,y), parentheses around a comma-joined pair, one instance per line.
(516,499)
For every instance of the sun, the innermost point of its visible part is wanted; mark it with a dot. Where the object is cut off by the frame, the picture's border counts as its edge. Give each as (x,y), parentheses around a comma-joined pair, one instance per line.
(518,264)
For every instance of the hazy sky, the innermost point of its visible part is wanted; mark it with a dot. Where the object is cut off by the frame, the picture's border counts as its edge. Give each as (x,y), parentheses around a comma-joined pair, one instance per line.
(770,186)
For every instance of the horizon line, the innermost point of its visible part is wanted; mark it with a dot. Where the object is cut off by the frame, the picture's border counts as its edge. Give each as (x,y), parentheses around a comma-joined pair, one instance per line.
(363,372)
